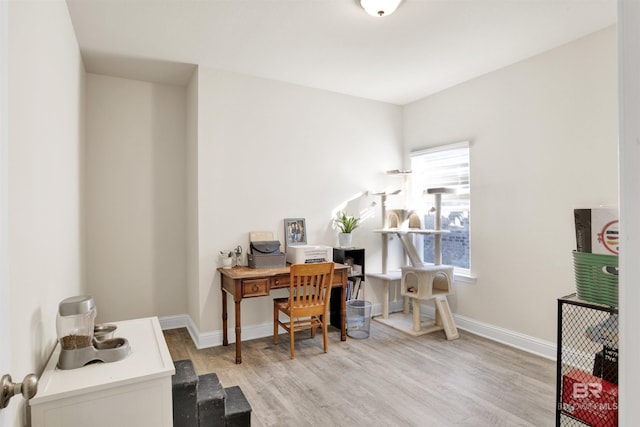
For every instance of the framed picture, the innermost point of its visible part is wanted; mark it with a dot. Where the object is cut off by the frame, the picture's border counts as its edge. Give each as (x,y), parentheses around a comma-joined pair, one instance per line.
(295,231)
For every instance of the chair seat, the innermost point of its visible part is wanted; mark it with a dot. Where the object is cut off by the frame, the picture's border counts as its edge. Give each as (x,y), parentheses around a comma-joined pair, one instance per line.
(282,303)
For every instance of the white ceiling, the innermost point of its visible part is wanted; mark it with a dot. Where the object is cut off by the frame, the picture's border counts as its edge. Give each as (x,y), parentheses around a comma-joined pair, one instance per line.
(424,47)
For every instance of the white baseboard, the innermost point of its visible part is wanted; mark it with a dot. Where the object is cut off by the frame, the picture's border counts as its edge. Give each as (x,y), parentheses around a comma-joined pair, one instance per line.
(175,322)
(213,339)
(520,341)
(523,342)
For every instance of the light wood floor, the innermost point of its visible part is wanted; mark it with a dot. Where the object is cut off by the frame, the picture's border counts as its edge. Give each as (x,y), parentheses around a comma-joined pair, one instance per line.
(388,379)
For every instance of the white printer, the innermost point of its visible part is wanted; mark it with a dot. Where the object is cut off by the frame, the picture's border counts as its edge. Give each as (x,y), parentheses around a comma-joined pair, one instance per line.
(308,254)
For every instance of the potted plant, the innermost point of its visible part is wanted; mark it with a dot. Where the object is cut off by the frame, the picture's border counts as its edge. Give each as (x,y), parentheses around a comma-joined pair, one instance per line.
(346,224)
(226,258)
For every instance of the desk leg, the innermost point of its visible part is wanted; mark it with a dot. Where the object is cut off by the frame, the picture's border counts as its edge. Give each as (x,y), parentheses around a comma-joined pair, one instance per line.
(225,338)
(343,308)
(238,333)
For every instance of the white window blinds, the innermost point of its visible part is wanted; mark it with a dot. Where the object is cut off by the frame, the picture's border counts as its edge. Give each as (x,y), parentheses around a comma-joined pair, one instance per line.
(442,166)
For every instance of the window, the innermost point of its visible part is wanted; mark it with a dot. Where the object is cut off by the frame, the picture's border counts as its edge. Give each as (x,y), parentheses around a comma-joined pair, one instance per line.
(445,166)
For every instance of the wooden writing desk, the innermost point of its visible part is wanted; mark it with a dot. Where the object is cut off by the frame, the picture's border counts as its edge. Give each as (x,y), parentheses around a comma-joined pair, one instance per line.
(245,282)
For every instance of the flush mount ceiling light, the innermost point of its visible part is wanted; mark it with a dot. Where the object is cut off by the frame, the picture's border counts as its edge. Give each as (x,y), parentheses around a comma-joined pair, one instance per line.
(380,8)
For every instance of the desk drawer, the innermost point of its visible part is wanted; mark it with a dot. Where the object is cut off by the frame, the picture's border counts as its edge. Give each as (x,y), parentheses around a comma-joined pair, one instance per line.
(280,282)
(255,288)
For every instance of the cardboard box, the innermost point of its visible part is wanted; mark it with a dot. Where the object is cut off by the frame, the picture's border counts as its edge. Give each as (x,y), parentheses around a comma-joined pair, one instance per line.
(597,230)
(590,398)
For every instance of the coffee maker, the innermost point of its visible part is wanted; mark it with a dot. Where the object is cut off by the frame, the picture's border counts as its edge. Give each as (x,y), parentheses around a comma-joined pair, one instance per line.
(75,325)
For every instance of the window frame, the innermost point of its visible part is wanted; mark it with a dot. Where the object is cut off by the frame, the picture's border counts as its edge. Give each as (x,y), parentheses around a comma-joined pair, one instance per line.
(461,273)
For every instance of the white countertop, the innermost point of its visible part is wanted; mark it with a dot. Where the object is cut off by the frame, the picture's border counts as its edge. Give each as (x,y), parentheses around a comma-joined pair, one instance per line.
(149,358)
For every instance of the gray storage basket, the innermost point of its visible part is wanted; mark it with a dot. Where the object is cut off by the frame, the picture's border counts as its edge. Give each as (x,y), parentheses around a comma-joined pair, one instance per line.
(266,261)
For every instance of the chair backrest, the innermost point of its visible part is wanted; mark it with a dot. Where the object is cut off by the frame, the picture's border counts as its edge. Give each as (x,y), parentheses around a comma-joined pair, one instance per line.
(310,288)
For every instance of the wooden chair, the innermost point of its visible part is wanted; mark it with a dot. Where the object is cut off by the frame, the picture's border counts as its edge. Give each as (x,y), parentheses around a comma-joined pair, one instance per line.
(308,303)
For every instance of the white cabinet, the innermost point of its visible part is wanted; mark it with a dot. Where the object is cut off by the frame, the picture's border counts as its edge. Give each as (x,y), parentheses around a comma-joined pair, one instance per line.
(133,392)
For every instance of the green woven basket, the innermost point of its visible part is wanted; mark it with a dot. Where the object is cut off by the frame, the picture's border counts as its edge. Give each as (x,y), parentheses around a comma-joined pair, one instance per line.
(596,278)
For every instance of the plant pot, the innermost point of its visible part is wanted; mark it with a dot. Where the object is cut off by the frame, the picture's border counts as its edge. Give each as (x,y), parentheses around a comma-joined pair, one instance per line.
(227,262)
(344,240)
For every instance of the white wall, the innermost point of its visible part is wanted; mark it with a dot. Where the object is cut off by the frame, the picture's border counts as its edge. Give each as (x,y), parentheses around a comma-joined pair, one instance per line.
(193,260)
(135,198)
(45,139)
(268,151)
(629,20)
(544,135)
(5,314)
